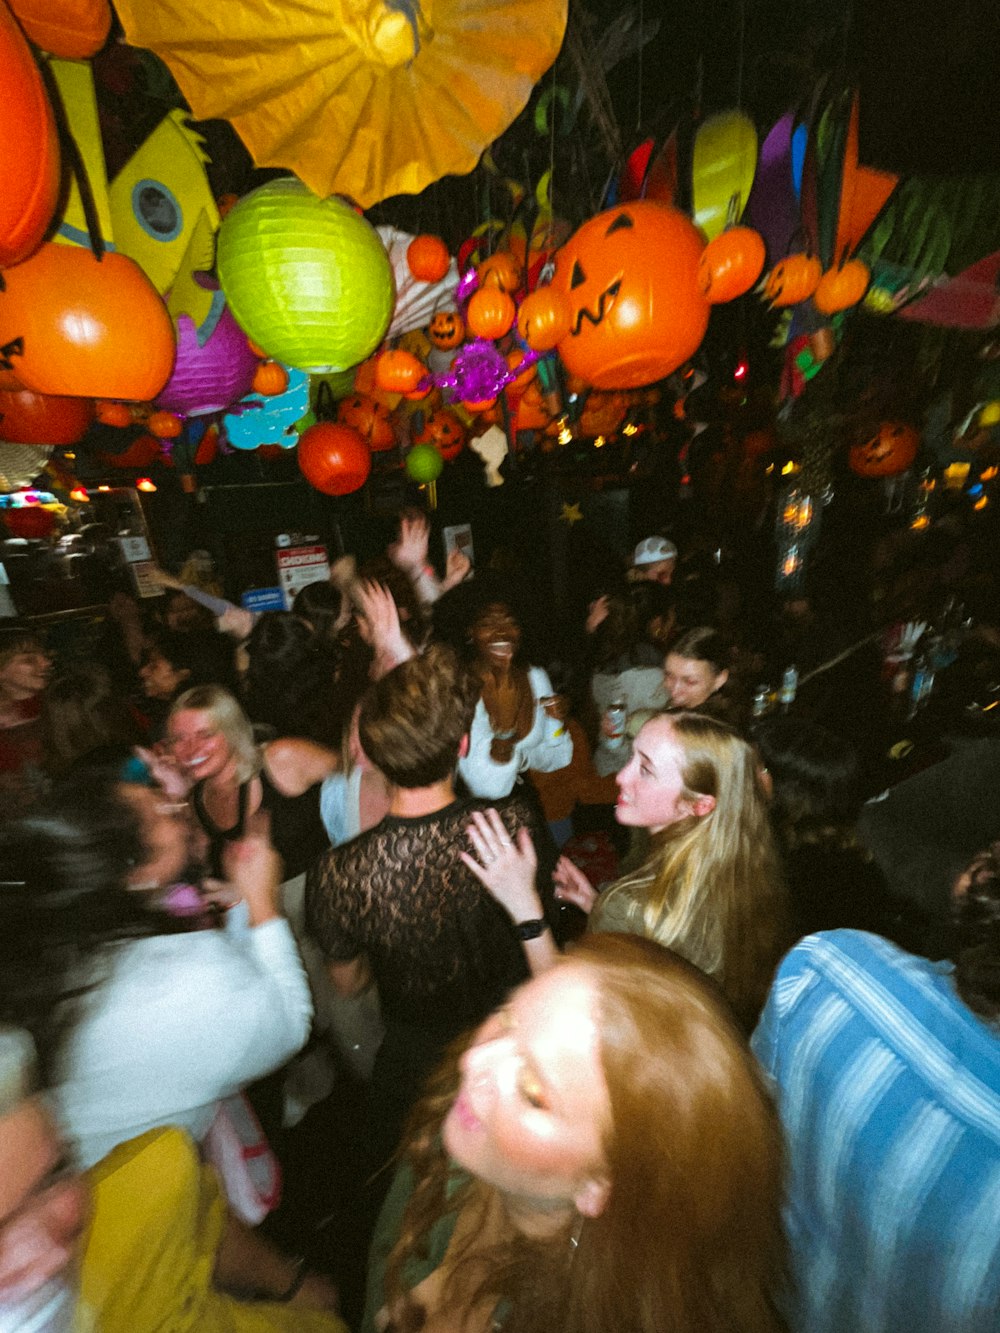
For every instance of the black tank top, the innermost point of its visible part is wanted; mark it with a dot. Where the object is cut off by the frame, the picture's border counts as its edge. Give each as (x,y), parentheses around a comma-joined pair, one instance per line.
(297,831)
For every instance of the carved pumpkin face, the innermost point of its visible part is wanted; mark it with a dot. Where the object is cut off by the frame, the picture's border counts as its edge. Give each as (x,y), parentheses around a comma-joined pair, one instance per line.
(889,451)
(500,270)
(630,277)
(445,432)
(446,329)
(369,418)
(793,280)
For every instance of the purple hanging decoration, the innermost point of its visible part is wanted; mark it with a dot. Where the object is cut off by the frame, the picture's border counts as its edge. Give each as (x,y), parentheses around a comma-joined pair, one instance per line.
(467,284)
(479,372)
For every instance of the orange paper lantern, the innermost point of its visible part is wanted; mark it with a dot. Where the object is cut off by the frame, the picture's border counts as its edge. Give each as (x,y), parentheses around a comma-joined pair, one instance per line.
(427,258)
(79,325)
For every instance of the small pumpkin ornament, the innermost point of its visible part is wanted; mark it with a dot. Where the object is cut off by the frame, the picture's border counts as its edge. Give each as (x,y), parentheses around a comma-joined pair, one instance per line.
(397,371)
(427,258)
(793,280)
(730,264)
(888,452)
(334,458)
(96,328)
(164,425)
(446,329)
(543,319)
(841,287)
(270,379)
(490,313)
(114,414)
(445,432)
(630,279)
(370,419)
(500,270)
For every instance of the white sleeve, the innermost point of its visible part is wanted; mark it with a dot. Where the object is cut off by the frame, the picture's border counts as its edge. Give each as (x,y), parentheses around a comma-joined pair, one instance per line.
(541,749)
(482,775)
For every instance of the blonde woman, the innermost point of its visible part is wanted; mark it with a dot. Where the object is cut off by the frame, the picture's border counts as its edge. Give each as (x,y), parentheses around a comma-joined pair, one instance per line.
(710,887)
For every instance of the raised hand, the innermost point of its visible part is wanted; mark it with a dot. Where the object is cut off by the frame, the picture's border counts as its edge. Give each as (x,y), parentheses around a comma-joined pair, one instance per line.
(573,886)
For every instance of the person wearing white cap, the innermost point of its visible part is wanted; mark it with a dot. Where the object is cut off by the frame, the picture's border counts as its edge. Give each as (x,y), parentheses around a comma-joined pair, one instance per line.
(655,559)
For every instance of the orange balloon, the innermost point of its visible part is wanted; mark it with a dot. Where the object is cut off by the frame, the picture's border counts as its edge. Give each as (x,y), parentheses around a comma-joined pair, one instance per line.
(73,29)
(29,161)
(73,324)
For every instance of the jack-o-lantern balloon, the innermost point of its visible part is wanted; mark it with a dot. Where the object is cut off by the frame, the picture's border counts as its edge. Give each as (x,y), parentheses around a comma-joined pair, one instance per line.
(369,418)
(446,329)
(888,452)
(630,277)
(445,432)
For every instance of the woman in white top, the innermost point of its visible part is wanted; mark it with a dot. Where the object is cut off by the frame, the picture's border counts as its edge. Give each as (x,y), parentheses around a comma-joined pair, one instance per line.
(517,722)
(143,1021)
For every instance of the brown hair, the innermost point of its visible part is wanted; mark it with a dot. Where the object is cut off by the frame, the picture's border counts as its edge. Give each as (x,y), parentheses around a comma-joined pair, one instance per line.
(712,888)
(690,1238)
(412,720)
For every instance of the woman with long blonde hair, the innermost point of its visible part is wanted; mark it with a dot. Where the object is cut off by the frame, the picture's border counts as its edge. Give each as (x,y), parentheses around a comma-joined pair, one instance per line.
(602,1156)
(710,886)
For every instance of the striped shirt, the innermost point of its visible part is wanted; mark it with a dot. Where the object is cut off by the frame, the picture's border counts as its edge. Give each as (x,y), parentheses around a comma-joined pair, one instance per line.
(889,1091)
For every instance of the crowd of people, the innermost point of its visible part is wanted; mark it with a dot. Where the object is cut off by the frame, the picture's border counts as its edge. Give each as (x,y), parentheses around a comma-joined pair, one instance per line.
(642,1026)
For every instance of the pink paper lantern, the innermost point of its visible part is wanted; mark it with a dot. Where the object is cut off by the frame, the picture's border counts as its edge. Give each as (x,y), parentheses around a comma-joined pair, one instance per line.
(212,377)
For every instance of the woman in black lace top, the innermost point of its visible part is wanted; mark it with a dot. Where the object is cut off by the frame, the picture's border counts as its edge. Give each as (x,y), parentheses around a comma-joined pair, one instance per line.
(398,907)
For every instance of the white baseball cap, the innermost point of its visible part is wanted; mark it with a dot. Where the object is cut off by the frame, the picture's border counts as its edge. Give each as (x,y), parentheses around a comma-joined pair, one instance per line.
(651,550)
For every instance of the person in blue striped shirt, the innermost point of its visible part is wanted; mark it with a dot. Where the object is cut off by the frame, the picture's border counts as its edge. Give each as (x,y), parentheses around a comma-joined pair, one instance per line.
(886,1070)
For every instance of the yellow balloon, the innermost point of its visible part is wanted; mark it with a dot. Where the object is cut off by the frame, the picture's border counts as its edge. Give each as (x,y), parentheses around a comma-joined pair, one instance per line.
(990,414)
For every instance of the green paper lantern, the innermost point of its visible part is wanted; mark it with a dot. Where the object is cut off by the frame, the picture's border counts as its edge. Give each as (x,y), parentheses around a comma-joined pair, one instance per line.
(307,278)
(424,464)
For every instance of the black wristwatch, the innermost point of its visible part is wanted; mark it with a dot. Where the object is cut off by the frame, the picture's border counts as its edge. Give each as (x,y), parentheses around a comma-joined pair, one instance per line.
(530,930)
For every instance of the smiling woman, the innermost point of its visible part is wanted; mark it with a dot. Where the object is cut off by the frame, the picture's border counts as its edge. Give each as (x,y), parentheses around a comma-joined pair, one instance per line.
(517,722)
(564,1149)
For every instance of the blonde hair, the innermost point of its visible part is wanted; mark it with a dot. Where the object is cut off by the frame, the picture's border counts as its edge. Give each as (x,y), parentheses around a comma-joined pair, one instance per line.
(711,887)
(229,719)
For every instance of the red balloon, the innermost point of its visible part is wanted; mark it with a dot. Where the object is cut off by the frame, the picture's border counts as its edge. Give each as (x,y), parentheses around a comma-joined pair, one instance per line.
(43,418)
(334,458)
(143,450)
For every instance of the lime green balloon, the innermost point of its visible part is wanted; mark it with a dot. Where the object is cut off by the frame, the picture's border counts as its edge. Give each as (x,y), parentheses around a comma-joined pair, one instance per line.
(424,463)
(307,278)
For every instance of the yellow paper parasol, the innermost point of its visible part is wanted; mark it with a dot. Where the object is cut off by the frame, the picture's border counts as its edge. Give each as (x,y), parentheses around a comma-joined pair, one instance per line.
(359,97)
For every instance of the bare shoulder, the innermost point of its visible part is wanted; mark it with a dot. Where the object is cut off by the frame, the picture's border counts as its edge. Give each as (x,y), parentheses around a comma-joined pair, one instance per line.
(294,764)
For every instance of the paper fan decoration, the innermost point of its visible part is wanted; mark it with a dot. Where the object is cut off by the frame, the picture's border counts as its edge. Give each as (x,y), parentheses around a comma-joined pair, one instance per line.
(416,301)
(20,464)
(360,97)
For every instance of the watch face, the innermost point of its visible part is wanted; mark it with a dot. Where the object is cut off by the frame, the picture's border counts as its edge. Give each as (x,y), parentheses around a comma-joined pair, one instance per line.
(530,930)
